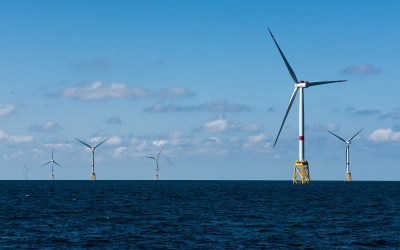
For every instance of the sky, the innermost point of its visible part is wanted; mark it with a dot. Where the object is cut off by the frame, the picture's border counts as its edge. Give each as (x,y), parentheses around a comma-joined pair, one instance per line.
(201,79)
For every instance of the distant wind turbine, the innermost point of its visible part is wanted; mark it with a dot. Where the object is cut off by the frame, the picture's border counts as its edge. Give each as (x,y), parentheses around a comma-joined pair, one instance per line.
(156,158)
(347,176)
(92,175)
(52,165)
(26,172)
(301,165)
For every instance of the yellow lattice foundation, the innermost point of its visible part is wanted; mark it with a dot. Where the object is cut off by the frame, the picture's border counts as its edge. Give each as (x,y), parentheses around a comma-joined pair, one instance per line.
(347,176)
(156,177)
(301,174)
(92,176)
(52,177)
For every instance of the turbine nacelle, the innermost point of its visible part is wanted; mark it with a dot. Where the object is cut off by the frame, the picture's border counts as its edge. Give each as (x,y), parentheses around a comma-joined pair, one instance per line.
(348,142)
(302,84)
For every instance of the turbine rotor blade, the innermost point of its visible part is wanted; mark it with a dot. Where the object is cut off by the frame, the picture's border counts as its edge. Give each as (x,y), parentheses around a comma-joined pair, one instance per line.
(46,163)
(84,143)
(150,157)
(52,153)
(57,164)
(287,112)
(337,136)
(101,142)
(284,59)
(309,84)
(160,152)
(355,134)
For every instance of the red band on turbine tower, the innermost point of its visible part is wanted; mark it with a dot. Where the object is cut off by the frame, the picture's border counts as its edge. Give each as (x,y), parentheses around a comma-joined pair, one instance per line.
(301,138)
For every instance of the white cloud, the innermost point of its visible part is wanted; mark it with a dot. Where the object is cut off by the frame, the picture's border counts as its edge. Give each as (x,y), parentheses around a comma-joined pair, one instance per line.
(14,139)
(215,139)
(393,114)
(119,151)
(223,152)
(6,109)
(256,140)
(362,69)
(234,139)
(217,125)
(14,155)
(98,91)
(114,140)
(176,134)
(252,126)
(37,151)
(325,127)
(220,106)
(367,112)
(50,126)
(135,141)
(384,135)
(180,143)
(160,142)
(114,120)
(222,124)
(54,145)
(173,92)
(95,139)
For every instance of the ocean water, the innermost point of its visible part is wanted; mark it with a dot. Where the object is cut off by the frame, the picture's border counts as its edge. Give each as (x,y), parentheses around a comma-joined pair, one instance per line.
(199,215)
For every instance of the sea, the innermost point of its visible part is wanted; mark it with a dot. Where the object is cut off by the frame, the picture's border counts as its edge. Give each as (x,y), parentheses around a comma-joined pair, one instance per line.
(199,215)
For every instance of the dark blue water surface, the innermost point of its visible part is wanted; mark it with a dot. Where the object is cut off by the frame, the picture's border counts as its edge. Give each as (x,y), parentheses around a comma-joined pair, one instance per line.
(199,215)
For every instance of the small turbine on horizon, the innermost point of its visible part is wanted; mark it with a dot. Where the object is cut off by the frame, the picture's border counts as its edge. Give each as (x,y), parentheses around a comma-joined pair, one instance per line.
(26,172)
(347,176)
(52,165)
(301,165)
(92,175)
(156,158)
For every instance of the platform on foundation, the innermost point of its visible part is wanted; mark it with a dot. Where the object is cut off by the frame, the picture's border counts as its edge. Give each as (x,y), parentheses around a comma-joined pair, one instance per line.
(301,174)
(52,177)
(156,177)
(347,176)
(92,176)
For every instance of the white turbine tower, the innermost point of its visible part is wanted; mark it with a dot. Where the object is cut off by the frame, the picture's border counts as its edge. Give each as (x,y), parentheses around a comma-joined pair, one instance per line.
(52,165)
(92,175)
(347,176)
(26,172)
(301,165)
(156,158)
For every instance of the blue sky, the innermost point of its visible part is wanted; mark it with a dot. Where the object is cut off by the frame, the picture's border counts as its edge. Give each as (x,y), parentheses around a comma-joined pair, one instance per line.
(202,79)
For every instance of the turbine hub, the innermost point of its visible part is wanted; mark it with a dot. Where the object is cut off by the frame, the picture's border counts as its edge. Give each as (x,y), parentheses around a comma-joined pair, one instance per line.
(348,142)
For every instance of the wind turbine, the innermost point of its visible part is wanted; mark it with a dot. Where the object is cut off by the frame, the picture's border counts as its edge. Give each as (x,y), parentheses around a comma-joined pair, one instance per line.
(156,158)
(92,175)
(301,165)
(26,172)
(347,176)
(52,165)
